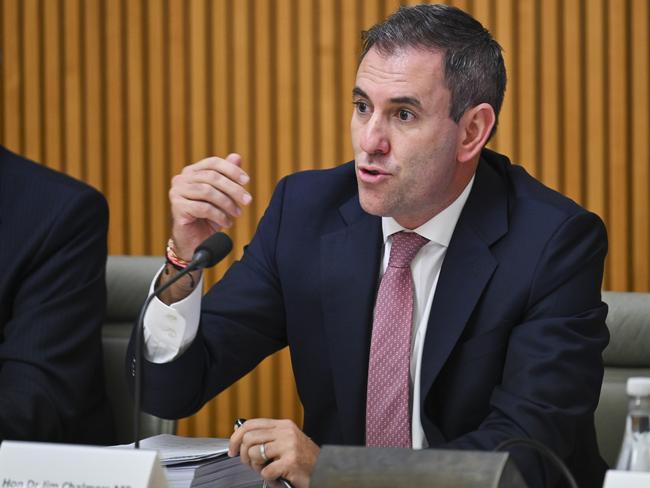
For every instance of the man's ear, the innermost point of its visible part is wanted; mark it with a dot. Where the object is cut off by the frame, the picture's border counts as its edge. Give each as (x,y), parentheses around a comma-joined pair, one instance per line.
(476,125)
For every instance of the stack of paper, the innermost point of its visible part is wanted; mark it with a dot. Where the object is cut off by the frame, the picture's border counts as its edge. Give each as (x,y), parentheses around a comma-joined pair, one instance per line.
(197,462)
(221,472)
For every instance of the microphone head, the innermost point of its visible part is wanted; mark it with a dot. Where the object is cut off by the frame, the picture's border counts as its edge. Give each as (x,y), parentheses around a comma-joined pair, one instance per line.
(212,250)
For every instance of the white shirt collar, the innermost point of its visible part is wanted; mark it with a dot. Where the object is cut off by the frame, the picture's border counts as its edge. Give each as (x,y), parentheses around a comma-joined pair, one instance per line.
(440,227)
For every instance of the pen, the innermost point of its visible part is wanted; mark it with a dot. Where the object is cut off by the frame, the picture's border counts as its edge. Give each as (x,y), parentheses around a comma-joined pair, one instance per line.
(237,424)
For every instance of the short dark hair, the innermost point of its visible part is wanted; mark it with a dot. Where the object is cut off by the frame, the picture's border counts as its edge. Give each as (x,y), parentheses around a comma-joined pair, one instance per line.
(474,68)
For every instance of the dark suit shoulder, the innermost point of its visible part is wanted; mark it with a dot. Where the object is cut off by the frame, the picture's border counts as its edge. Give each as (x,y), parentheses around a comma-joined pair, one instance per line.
(41,209)
(329,183)
(22,176)
(525,190)
(309,193)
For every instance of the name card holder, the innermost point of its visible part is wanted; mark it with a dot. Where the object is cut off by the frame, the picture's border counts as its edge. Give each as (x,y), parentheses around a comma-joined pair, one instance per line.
(43,465)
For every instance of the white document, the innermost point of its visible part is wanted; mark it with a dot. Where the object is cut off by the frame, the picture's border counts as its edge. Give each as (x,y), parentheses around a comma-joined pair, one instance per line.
(194,462)
(174,449)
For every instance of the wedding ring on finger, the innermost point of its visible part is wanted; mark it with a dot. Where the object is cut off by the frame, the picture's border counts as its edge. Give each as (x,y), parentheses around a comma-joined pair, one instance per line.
(263,453)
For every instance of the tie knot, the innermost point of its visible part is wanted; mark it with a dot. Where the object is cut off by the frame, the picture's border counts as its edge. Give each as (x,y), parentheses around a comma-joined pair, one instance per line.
(404,247)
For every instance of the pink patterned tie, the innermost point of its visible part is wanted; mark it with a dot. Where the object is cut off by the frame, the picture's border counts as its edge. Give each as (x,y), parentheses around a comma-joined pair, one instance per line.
(387,405)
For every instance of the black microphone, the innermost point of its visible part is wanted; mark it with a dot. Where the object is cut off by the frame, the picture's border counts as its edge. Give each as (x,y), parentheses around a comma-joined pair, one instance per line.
(210,252)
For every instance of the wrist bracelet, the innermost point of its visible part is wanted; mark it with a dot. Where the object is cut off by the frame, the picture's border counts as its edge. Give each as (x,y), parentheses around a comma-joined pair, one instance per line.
(172,258)
(179,264)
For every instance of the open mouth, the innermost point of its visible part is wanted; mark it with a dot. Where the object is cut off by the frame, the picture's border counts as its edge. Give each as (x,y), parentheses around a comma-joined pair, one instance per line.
(372,171)
(372,174)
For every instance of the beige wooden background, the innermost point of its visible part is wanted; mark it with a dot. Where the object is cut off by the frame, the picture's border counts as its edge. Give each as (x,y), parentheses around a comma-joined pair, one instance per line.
(123,93)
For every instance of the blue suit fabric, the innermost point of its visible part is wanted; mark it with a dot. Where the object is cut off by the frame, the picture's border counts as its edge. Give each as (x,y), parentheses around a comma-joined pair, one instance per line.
(52,304)
(514,339)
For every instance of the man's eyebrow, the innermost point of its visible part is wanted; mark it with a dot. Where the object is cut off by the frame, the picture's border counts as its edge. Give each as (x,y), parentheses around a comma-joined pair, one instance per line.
(358,92)
(412,101)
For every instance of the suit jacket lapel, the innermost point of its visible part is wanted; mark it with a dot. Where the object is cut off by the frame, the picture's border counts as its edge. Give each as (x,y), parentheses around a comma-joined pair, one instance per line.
(466,271)
(349,268)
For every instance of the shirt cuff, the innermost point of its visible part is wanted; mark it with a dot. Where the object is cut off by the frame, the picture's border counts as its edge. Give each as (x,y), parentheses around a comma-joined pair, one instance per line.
(170,329)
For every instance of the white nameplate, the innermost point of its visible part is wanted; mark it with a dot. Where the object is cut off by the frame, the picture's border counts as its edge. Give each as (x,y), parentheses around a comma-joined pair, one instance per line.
(625,479)
(42,465)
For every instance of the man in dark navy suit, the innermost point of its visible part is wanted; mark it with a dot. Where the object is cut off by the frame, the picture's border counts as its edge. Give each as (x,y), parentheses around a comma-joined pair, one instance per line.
(52,304)
(505,325)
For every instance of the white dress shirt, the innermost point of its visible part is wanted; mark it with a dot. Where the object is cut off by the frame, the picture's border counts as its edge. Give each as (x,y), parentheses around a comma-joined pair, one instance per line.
(170,329)
(425,269)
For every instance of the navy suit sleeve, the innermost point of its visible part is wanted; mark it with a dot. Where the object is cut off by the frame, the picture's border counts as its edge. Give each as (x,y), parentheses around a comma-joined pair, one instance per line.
(51,376)
(242,322)
(553,368)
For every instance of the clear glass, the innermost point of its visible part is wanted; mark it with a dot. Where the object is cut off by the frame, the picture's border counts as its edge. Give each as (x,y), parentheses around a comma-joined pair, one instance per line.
(635,451)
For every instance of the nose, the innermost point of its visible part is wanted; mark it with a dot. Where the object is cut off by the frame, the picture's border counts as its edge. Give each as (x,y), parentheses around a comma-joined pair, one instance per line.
(374,139)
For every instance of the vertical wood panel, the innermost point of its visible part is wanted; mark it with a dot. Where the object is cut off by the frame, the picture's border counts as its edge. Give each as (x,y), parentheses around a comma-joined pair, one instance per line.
(390,6)
(32,76)
(572,102)
(640,147)
(371,13)
(595,112)
(618,156)
(550,159)
(155,102)
(115,130)
(504,140)
(12,82)
(198,80)
(482,11)
(327,54)
(308,139)
(93,126)
(282,79)
(2,72)
(350,50)
(135,163)
(595,56)
(461,4)
(53,151)
(124,93)
(178,90)
(72,89)
(527,76)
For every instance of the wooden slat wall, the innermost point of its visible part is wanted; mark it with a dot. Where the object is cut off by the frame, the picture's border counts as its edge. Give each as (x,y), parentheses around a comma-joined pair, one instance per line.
(124,93)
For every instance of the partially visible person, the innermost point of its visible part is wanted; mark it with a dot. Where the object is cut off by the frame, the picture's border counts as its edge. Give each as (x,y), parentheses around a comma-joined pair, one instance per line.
(53,300)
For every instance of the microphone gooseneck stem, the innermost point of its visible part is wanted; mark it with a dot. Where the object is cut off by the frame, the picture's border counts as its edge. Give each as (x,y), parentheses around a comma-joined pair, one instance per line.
(139,344)
(210,252)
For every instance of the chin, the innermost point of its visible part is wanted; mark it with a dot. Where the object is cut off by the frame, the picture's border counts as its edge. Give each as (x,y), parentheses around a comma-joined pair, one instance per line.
(373,206)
